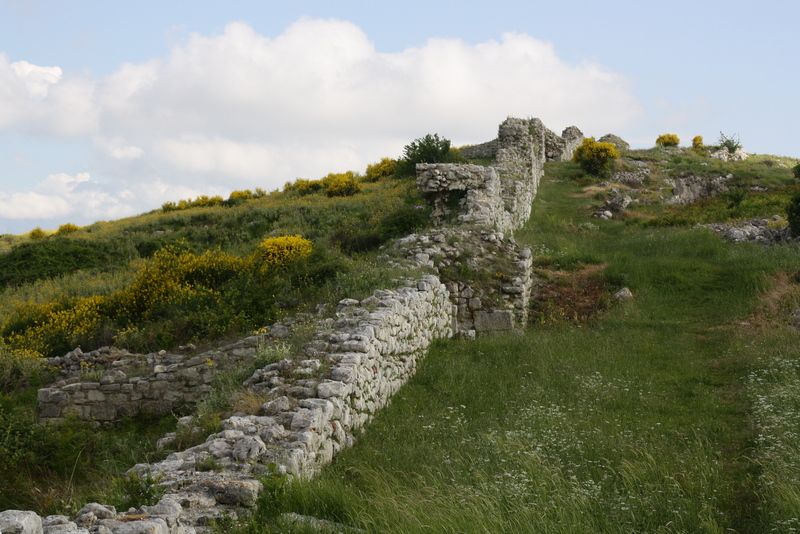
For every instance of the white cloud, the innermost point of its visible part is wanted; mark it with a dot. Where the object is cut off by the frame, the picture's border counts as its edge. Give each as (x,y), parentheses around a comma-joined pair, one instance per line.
(117,149)
(37,80)
(240,109)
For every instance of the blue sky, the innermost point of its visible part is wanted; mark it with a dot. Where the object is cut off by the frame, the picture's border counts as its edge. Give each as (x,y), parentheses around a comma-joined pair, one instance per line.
(109,109)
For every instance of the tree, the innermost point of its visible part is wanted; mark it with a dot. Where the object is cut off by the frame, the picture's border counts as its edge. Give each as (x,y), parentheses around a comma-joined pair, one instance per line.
(428,149)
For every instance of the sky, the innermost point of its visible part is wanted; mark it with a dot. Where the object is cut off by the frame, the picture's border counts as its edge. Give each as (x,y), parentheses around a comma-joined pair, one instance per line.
(110,109)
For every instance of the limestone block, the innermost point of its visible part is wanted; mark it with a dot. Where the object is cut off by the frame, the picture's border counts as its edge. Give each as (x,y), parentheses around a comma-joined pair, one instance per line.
(20,522)
(49,410)
(248,448)
(281,404)
(103,412)
(486,321)
(95,396)
(344,373)
(144,526)
(242,493)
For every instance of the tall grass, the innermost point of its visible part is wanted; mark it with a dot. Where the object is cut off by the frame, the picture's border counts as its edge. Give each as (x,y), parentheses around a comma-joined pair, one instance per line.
(639,423)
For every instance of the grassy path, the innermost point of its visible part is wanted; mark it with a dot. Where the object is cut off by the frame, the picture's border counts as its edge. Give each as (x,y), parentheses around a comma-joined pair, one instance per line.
(640,422)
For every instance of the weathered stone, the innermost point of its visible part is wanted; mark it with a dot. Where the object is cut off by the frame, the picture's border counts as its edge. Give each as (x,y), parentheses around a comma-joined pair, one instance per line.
(623,294)
(144,526)
(20,522)
(494,320)
(248,448)
(242,493)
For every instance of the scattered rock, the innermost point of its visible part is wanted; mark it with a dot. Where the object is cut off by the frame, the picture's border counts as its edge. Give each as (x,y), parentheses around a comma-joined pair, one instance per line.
(614,140)
(623,294)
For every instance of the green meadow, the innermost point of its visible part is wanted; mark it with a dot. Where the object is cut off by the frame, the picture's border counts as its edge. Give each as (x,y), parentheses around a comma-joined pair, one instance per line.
(675,411)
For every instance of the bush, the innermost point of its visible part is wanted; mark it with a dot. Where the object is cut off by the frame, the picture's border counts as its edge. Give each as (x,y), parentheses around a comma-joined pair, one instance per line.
(796,172)
(668,140)
(428,149)
(37,234)
(793,215)
(731,144)
(341,184)
(385,168)
(68,228)
(31,261)
(595,158)
(281,250)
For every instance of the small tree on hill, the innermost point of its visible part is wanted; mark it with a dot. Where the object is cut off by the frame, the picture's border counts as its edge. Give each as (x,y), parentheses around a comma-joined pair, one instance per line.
(595,158)
(428,149)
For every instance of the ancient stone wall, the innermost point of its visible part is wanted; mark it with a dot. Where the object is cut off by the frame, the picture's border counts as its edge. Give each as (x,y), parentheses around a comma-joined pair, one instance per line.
(315,401)
(488,275)
(496,197)
(155,384)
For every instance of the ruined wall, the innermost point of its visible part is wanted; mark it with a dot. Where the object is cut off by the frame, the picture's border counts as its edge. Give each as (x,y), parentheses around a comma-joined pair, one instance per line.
(155,384)
(356,361)
(488,276)
(496,197)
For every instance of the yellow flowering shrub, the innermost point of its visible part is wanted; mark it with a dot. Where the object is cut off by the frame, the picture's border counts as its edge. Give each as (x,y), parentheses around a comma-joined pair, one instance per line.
(595,158)
(174,275)
(697,145)
(57,327)
(668,140)
(37,233)
(281,250)
(381,170)
(68,228)
(341,185)
(16,365)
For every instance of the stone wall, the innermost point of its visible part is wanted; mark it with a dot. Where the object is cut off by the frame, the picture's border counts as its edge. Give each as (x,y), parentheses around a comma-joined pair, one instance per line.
(315,401)
(488,276)
(163,383)
(496,197)
(557,148)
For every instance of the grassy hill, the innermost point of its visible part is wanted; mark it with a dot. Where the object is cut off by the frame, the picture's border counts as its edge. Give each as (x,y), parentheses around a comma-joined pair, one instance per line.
(671,412)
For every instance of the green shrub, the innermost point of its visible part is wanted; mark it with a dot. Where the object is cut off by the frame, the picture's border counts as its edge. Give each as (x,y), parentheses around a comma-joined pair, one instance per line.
(793,215)
(31,261)
(731,144)
(428,149)
(141,491)
(668,140)
(796,172)
(595,158)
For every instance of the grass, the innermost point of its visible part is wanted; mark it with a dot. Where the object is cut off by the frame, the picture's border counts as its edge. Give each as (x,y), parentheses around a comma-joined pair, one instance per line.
(668,413)
(673,412)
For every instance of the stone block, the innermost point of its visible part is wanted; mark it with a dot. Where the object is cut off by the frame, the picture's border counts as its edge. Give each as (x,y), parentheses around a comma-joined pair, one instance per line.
(103,412)
(488,321)
(19,522)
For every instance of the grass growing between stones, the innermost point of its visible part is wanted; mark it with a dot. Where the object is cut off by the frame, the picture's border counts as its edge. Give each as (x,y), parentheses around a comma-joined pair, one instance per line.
(668,413)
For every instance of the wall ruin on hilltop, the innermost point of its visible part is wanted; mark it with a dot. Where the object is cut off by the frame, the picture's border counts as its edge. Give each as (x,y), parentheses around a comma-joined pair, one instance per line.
(317,398)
